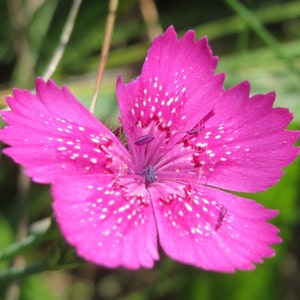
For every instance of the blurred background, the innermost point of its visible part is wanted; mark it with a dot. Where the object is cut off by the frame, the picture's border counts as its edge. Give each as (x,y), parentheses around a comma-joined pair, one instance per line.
(256,40)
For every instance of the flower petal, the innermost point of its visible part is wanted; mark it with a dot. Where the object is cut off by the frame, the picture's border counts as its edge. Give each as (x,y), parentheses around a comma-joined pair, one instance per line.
(246,142)
(212,229)
(110,222)
(176,80)
(52,134)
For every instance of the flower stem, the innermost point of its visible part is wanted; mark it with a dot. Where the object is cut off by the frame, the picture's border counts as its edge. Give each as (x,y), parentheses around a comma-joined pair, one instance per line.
(18,272)
(28,242)
(42,266)
(60,257)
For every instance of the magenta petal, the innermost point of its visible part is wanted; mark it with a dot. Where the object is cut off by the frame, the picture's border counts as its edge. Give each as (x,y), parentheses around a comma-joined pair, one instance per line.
(176,80)
(52,134)
(246,142)
(214,230)
(108,224)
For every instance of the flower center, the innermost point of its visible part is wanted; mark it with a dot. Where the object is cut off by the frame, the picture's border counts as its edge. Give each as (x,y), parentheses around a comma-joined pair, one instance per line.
(149,175)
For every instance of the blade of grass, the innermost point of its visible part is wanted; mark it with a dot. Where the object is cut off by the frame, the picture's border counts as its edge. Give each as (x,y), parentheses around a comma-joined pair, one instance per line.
(262,32)
(65,36)
(223,27)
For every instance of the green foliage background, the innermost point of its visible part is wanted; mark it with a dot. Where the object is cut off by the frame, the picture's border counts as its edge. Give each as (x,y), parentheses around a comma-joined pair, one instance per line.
(258,41)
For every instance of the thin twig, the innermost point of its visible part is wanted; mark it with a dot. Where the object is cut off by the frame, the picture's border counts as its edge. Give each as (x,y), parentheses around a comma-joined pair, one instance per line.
(64,39)
(109,28)
(151,18)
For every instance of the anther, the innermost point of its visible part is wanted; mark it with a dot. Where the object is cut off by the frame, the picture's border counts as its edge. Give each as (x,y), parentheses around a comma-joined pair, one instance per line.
(195,130)
(144,140)
(221,218)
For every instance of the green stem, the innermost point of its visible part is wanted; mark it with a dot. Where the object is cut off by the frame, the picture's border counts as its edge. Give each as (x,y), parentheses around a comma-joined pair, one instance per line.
(60,257)
(262,32)
(17,272)
(28,242)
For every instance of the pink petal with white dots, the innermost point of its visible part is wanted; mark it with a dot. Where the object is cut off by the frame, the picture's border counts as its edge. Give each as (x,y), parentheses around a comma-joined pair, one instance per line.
(52,134)
(176,89)
(246,142)
(212,229)
(110,222)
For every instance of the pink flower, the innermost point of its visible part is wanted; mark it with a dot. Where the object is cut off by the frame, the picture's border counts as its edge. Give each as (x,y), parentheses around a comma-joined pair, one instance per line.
(188,142)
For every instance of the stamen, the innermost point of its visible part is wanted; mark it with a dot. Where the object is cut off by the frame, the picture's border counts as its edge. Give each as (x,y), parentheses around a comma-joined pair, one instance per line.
(195,130)
(221,217)
(144,140)
(118,132)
